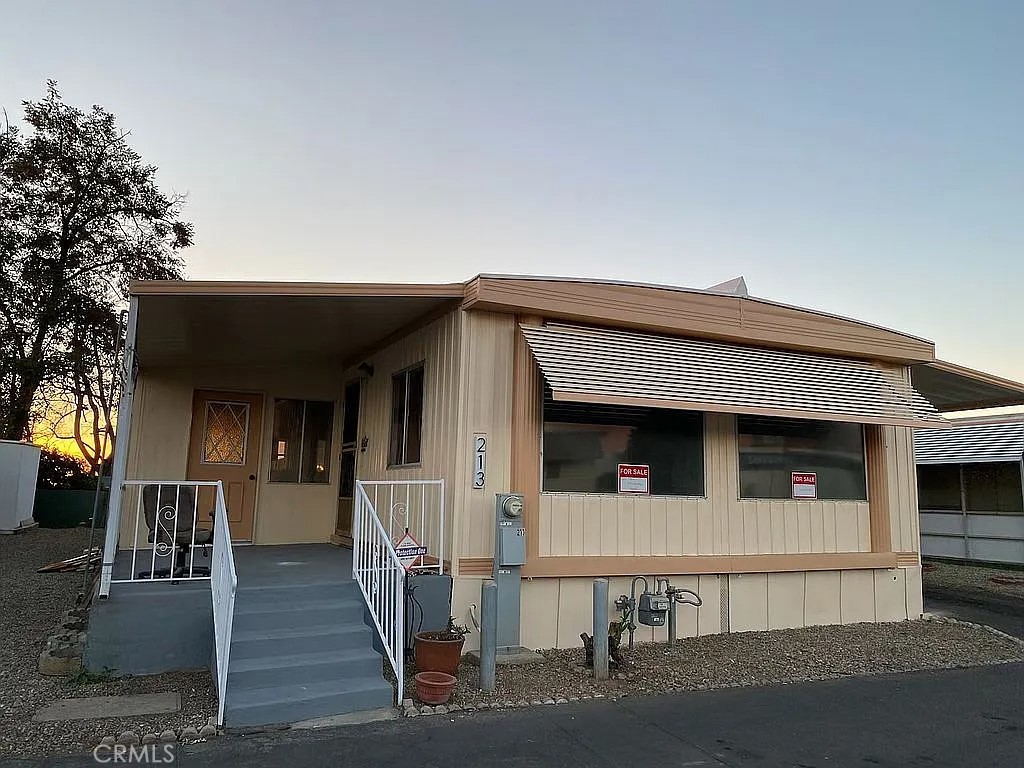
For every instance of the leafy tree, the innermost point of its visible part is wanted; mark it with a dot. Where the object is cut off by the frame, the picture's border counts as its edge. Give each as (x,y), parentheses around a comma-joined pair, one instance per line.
(80,217)
(60,470)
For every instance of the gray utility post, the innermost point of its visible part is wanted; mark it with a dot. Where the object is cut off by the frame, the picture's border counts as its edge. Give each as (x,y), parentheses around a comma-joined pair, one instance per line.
(488,634)
(601,629)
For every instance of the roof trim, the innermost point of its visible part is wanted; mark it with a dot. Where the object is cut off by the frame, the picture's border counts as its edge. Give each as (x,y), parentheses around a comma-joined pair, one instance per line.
(722,289)
(262,288)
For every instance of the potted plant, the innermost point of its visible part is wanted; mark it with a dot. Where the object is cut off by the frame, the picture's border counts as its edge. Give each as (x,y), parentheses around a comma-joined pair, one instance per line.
(440,651)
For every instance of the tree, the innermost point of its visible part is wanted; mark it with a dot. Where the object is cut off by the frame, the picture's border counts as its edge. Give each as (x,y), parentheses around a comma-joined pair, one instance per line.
(80,404)
(59,470)
(80,217)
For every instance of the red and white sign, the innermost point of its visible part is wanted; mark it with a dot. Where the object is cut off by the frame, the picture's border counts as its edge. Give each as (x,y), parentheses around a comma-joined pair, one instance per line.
(805,485)
(634,478)
(410,553)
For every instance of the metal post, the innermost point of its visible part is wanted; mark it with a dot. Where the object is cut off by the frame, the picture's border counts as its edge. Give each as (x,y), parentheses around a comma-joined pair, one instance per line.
(488,634)
(120,465)
(672,620)
(601,629)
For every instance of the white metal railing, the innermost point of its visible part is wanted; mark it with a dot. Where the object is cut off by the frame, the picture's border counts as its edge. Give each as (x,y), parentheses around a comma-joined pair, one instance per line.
(381,577)
(416,507)
(223,583)
(167,529)
(172,519)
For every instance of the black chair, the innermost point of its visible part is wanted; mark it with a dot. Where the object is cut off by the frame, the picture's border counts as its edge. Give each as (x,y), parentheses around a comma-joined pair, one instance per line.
(171,515)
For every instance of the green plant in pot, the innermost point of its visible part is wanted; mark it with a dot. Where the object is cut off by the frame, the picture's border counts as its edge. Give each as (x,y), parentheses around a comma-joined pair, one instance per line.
(440,651)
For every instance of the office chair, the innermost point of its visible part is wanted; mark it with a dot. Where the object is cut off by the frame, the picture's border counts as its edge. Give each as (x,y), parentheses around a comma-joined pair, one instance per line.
(171,515)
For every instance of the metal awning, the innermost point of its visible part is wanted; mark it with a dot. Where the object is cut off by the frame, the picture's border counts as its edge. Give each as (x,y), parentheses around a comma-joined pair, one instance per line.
(626,368)
(973,441)
(952,387)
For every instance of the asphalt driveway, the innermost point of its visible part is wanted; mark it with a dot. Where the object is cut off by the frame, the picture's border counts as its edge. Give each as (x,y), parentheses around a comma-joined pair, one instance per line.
(967,717)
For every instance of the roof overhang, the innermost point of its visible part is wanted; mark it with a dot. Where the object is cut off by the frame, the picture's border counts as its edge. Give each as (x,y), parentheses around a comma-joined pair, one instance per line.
(215,323)
(952,387)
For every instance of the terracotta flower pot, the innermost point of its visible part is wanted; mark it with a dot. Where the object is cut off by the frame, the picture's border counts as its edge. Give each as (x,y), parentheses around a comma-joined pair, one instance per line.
(434,687)
(438,652)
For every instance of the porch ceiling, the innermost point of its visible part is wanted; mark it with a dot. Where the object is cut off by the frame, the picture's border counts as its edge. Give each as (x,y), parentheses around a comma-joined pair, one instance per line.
(201,330)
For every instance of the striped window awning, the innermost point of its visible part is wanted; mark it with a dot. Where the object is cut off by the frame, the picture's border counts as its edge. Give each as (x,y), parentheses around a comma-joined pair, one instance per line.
(596,365)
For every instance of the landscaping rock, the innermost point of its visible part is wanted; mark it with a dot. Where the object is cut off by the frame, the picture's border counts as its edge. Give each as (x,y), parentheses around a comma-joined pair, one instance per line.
(128,738)
(207,731)
(150,738)
(188,734)
(168,736)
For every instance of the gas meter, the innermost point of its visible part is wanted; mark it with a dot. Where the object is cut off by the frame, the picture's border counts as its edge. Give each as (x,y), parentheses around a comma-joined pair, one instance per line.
(652,609)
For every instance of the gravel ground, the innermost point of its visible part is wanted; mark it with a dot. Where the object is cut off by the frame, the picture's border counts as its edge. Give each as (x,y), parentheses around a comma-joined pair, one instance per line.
(32,606)
(746,658)
(954,576)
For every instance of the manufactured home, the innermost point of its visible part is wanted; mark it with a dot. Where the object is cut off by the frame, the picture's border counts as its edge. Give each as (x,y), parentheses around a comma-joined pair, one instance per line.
(296,456)
(970,490)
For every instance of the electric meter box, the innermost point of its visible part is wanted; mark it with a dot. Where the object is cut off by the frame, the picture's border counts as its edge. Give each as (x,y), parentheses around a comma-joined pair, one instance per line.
(653,609)
(511,544)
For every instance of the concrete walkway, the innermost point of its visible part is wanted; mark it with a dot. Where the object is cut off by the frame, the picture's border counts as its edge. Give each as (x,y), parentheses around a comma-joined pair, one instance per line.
(952,718)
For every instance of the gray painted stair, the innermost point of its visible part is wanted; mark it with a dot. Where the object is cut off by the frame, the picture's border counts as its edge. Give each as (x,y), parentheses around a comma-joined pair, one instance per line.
(300,652)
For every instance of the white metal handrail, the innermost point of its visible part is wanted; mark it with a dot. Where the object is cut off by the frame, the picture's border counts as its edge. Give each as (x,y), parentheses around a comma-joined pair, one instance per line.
(223,584)
(381,577)
(175,513)
(416,506)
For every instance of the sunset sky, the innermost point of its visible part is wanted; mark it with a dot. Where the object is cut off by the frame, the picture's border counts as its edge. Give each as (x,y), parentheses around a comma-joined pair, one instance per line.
(862,158)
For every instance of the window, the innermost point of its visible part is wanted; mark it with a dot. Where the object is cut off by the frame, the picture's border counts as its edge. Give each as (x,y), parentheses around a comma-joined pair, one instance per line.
(938,486)
(584,443)
(406,416)
(301,448)
(770,449)
(993,488)
(988,488)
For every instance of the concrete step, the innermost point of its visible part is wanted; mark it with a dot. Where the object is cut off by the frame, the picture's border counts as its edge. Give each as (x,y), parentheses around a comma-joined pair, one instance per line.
(299,613)
(295,702)
(276,670)
(318,638)
(320,590)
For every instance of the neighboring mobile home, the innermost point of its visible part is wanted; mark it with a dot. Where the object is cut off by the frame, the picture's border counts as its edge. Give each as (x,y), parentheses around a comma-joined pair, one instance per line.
(312,403)
(970,490)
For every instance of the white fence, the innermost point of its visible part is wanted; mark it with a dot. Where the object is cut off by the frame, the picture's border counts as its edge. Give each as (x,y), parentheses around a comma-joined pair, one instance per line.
(171,527)
(381,577)
(416,506)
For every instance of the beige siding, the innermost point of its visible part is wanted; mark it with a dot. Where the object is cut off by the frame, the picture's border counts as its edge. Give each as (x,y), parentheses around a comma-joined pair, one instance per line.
(162,417)
(556,610)
(719,524)
(438,346)
(486,408)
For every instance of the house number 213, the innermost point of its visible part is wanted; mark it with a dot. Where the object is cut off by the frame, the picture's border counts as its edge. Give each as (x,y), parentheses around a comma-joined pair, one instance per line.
(479,460)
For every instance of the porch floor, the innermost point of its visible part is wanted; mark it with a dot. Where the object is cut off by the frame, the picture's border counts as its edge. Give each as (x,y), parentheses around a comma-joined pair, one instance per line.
(255,565)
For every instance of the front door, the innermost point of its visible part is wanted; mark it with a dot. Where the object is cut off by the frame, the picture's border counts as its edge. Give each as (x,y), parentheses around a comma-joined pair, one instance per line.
(347,474)
(225,446)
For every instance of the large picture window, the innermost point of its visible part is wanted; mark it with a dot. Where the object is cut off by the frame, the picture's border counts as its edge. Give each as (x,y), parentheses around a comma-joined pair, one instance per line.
(406,416)
(584,444)
(771,449)
(301,447)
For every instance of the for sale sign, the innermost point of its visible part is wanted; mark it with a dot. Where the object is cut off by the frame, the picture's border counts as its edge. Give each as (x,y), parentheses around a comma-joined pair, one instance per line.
(634,478)
(805,485)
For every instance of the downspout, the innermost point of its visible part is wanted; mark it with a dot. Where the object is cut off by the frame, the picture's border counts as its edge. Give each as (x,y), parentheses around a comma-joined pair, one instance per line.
(120,463)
